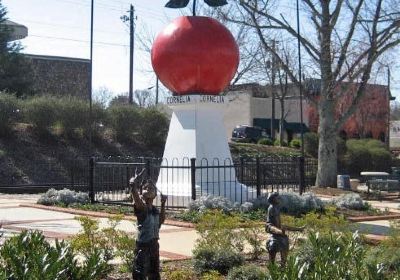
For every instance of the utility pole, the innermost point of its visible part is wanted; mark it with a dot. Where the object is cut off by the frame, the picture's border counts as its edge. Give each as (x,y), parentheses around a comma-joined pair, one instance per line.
(91,78)
(131,47)
(131,19)
(273,72)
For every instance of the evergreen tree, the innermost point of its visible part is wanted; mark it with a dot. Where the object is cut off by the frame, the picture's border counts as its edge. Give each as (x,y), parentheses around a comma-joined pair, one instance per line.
(15,70)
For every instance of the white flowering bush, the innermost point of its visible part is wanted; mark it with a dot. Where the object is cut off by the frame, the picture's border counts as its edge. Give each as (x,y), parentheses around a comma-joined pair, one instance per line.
(246,207)
(351,201)
(65,196)
(291,203)
(213,202)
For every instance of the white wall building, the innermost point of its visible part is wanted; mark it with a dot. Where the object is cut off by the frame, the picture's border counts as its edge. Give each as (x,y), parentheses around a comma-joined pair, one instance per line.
(250,104)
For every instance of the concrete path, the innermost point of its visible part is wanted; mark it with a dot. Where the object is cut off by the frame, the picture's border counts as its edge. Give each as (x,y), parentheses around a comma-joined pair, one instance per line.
(175,242)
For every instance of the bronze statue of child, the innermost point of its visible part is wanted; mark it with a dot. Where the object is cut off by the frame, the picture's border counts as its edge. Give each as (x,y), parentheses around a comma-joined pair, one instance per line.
(149,220)
(279,241)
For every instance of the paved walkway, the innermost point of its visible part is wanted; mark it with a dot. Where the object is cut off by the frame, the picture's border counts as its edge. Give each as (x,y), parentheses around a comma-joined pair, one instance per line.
(176,242)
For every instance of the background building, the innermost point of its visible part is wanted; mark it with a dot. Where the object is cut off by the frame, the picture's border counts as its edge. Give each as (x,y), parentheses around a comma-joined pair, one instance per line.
(370,119)
(251,104)
(56,75)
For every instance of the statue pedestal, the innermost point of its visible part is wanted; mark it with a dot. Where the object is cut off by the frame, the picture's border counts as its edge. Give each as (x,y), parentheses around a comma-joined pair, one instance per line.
(197,131)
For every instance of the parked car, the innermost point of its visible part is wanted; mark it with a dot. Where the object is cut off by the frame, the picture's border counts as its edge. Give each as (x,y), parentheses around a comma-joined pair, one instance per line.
(248,134)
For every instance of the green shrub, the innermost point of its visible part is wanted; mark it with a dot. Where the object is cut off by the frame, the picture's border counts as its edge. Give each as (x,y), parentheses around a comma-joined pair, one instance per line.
(9,112)
(324,222)
(329,256)
(252,233)
(179,274)
(192,216)
(246,272)
(108,242)
(366,155)
(210,258)
(125,120)
(73,114)
(311,144)
(29,256)
(381,159)
(154,128)
(220,244)
(212,275)
(345,251)
(277,142)
(41,112)
(219,231)
(265,141)
(388,251)
(295,143)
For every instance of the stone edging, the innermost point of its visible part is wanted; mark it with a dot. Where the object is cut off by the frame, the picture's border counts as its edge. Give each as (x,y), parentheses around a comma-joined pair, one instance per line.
(97,214)
(373,218)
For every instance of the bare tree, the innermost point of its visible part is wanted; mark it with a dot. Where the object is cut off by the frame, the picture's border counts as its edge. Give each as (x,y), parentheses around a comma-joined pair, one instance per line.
(143,98)
(103,96)
(348,39)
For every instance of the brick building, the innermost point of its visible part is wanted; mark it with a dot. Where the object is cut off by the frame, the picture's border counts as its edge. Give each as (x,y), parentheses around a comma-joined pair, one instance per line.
(56,75)
(371,117)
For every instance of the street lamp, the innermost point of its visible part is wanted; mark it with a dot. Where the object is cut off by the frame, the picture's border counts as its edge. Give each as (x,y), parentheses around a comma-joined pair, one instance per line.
(301,160)
(91,78)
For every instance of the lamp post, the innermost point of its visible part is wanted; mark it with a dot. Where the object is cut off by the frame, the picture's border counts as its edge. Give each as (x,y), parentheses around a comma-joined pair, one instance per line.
(301,159)
(91,78)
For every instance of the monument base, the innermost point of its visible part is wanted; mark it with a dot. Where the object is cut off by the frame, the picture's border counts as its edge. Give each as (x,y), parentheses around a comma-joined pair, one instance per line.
(197,131)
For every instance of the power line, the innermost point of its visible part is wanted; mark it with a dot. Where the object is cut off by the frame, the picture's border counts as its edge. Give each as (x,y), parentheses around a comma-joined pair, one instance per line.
(67,26)
(78,40)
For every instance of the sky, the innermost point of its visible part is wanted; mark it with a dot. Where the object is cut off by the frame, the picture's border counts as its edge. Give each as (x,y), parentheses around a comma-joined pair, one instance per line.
(62,28)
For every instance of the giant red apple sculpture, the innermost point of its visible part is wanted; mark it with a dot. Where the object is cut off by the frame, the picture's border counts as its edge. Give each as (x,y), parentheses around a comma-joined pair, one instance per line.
(195,55)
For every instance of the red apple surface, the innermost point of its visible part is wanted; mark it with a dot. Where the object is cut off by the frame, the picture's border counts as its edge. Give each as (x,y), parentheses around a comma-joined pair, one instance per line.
(195,55)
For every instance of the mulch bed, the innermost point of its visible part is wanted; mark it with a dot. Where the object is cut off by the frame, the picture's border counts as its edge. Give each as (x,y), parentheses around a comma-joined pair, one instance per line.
(329,191)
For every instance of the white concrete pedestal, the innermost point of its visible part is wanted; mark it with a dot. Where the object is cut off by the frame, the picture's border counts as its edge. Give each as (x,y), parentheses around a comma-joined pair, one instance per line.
(197,131)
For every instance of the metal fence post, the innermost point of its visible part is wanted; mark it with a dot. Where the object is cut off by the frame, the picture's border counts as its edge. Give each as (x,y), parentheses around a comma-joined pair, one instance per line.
(258,174)
(241,170)
(302,182)
(72,179)
(148,166)
(193,177)
(91,180)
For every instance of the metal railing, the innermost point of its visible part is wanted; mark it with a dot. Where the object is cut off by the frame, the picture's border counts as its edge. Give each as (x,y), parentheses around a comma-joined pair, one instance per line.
(187,179)
(72,173)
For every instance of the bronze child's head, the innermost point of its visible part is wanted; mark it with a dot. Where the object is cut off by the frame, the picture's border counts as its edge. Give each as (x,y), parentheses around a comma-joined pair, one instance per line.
(274,198)
(149,191)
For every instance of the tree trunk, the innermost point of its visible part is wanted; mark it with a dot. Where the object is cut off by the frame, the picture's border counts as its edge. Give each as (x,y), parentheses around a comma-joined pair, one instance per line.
(327,156)
(282,119)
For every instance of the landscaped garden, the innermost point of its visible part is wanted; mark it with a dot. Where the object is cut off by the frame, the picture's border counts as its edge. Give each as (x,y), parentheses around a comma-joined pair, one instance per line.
(231,243)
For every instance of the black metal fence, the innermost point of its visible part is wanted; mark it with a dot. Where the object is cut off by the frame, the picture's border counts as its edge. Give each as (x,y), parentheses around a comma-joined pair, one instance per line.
(184,180)
(187,179)
(72,173)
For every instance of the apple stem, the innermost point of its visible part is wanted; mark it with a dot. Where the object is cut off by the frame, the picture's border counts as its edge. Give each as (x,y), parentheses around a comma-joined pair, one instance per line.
(194,7)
